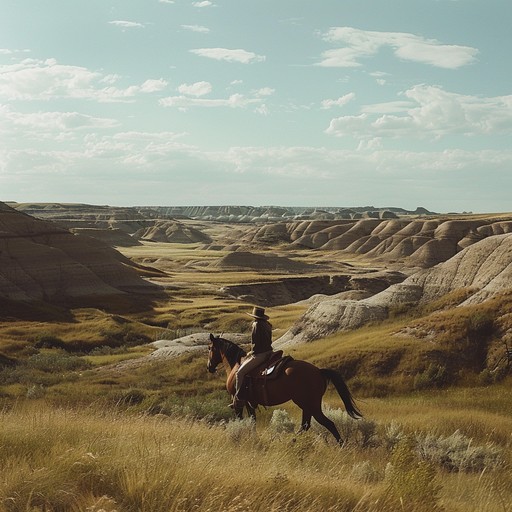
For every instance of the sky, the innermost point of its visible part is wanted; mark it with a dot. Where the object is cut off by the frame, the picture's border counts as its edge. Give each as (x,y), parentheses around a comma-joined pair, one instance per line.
(324,103)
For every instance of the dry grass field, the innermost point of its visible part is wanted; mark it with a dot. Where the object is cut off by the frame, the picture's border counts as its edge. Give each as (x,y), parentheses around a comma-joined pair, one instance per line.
(89,423)
(425,452)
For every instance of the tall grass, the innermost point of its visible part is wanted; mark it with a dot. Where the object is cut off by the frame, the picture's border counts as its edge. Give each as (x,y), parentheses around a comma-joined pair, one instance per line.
(56,459)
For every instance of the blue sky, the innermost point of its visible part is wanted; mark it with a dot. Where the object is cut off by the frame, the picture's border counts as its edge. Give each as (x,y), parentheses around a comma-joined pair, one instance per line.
(272,102)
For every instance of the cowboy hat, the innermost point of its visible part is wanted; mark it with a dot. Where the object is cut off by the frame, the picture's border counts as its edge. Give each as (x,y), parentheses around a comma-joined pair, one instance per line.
(258,313)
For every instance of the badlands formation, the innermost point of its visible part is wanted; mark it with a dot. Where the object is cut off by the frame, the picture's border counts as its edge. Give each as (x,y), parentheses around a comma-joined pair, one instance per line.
(40,261)
(483,270)
(400,259)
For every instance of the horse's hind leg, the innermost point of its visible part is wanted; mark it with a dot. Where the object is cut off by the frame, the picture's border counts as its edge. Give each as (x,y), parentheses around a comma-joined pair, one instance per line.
(328,424)
(305,422)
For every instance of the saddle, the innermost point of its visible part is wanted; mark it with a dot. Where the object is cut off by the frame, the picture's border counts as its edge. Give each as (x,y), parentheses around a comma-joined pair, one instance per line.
(257,378)
(271,368)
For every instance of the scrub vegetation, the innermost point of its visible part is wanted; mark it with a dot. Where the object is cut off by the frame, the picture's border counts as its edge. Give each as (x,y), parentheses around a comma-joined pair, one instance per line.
(88,423)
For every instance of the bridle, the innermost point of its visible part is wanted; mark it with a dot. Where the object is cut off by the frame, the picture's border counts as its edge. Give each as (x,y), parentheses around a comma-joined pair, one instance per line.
(232,353)
(214,358)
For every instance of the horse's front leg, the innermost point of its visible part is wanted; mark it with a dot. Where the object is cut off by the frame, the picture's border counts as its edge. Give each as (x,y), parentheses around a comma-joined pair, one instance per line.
(239,412)
(251,411)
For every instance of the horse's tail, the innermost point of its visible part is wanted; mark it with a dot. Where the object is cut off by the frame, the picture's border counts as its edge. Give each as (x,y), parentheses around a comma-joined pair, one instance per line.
(342,389)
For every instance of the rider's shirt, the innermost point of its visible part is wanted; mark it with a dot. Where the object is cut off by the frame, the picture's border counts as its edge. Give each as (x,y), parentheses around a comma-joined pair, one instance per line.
(261,336)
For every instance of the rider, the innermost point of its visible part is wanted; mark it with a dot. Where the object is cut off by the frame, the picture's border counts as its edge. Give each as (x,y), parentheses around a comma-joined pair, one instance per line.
(261,340)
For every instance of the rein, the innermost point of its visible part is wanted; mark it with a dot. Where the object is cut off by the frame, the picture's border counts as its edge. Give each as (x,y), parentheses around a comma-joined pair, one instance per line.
(231,351)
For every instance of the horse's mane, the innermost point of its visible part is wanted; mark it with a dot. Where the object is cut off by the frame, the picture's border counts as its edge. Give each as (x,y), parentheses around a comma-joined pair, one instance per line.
(232,351)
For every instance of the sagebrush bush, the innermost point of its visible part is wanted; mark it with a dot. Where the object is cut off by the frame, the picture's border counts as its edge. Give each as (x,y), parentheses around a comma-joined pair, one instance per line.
(393,434)
(35,392)
(56,362)
(366,473)
(457,453)
(280,422)
(362,432)
(45,368)
(241,430)
(434,376)
(211,409)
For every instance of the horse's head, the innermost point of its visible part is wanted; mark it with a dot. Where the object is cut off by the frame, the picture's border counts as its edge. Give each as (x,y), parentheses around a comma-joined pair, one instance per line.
(221,350)
(214,354)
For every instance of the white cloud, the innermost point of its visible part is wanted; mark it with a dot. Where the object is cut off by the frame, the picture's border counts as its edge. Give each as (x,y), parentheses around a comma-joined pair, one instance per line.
(262,110)
(196,89)
(196,28)
(428,112)
(238,55)
(134,148)
(54,121)
(33,79)
(340,102)
(234,101)
(359,44)
(205,3)
(265,91)
(95,165)
(380,77)
(388,107)
(126,24)
(166,1)
(153,85)
(54,126)
(370,145)
(110,79)
(341,58)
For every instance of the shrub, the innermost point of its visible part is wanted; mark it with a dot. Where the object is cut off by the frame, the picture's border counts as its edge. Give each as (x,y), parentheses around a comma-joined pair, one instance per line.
(49,341)
(108,351)
(393,434)
(411,481)
(173,334)
(34,392)
(211,408)
(365,472)
(131,397)
(361,432)
(480,323)
(124,335)
(56,362)
(281,422)
(456,453)
(434,376)
(239,430)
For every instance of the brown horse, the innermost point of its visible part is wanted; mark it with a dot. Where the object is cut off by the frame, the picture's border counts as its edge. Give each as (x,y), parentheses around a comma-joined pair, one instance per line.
(301,382)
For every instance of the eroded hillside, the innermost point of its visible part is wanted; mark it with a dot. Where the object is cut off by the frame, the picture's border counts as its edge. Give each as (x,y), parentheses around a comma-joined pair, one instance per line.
(41,261)
(483,271)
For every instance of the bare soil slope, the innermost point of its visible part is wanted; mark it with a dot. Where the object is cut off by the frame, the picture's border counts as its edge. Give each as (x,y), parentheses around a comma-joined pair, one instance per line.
(416,242)
(483,270)
(41,261)
(172,232)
